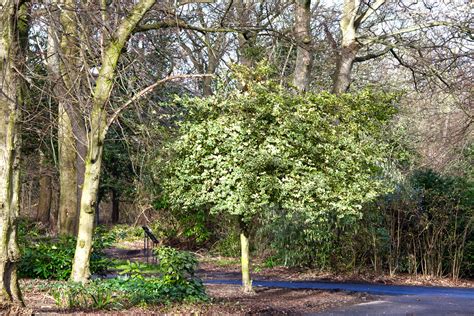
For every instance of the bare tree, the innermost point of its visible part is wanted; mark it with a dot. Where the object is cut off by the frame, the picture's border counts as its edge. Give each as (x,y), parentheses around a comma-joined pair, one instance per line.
(368,33)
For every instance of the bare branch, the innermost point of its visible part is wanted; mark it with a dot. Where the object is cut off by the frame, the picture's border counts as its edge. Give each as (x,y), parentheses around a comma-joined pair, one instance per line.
(184,25)
(401,62)
(367,40)
(372,55)
(364,16)
(146,91)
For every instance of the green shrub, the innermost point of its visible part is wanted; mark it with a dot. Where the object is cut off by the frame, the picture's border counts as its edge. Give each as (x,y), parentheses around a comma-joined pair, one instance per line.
(95,295)
(126,232)
(228,246)
(467,269)
(132,269)
(176,267)
(51,258)
(177,283)
(125,292)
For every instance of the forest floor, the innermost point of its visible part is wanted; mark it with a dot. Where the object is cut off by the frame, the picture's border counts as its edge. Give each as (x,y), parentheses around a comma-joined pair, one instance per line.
(228,299)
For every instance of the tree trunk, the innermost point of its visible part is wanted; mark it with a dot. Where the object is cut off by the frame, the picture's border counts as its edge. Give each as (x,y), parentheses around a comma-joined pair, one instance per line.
(247,39)
(304,57)
(115,206)
(62,72)
(345,61)
(45,193)
(68,202)
(245,262)
(80,268)
(350,21)
(98,129)
(13,25)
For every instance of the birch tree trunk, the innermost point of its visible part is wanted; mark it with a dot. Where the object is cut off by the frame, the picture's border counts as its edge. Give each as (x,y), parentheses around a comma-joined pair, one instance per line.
(98,130)
(304,57)
(13,26)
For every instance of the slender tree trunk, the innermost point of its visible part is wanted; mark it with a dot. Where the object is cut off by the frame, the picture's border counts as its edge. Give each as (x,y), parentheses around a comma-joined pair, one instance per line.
(246,42)
(245,262)
(304,56)
(13,26)
(115,206)
(80,269)
(45,193)
(98,129)
(68,202)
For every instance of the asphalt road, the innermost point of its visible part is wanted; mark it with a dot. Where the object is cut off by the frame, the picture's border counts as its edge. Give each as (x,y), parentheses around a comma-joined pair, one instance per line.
(388,299)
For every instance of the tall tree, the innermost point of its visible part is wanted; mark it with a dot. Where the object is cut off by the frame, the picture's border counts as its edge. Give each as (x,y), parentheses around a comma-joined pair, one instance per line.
(367,32)
(350,22)
(13,30)
(98,124)
(304,55)
(63,65)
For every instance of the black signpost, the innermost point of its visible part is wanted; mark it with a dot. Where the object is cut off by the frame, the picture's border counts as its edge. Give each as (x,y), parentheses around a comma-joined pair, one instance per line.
(149,243)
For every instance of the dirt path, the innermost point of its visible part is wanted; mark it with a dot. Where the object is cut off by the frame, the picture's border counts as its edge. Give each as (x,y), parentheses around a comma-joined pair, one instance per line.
(281,291)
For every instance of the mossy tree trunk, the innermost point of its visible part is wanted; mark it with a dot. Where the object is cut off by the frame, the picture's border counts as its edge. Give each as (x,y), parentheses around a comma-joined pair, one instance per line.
(13,30)
(245,257)
(96,136)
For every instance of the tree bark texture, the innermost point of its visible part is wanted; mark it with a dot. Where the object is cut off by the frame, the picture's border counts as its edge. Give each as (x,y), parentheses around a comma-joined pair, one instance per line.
(68,192)
(304,56)
(98,130)
(245,262)
(345,61)
(350,22)
(13,26)
(64,69)
(349,47)
(247,39)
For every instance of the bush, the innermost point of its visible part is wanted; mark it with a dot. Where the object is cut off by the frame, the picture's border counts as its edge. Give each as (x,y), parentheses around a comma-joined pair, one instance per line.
(126,232)
(176,267)
(120,293)
(177,283)
(51,258)
(228,246)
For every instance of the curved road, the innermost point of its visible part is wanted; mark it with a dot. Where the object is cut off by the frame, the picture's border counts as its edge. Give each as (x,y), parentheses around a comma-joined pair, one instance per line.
(389,300)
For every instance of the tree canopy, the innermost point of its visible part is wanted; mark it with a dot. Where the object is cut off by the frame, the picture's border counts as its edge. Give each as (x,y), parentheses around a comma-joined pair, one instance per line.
(266,148)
